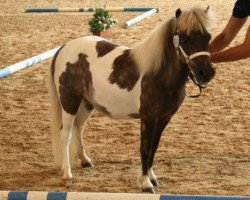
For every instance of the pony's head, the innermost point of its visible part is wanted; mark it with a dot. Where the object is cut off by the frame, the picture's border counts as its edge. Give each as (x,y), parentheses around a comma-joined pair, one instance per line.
(191,40)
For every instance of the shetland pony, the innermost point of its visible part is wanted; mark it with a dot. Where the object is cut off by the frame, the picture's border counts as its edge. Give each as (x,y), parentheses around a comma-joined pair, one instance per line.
(145,82)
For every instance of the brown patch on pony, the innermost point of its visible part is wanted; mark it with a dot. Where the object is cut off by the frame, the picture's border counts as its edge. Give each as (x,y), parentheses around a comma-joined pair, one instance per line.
(160,98)
(75,82)
(88,105)
(102,109)
(54,62)
(134,115)
(125,72)
(104,47)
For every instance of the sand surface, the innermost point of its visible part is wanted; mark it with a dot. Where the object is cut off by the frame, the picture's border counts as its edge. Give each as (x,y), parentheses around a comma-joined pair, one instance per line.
(204,150)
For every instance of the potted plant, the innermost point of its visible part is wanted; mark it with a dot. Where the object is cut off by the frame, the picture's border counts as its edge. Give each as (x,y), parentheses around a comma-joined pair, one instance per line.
(101,22)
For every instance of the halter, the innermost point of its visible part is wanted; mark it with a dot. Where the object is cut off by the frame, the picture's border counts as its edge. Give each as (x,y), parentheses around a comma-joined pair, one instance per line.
(179,49)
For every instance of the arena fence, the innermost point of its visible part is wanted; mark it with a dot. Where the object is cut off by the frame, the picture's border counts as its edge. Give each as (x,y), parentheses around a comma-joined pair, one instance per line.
(35,195)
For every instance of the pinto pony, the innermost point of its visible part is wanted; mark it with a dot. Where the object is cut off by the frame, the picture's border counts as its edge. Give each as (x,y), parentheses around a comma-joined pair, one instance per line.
(145,82)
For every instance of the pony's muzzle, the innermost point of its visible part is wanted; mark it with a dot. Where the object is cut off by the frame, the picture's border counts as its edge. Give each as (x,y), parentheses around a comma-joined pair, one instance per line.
(203,71)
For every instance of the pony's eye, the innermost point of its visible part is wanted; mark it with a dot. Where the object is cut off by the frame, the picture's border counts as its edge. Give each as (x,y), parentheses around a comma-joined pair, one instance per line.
(184,41)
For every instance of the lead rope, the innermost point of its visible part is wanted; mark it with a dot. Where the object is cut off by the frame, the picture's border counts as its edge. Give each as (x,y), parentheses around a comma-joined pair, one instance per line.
(191,76)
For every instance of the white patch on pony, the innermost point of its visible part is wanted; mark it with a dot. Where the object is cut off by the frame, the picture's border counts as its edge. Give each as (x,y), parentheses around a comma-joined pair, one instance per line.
(118,102)
(145,182)
(85,159)
(151,174)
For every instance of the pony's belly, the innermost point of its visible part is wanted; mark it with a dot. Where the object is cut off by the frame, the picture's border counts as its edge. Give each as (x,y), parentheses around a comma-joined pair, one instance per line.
(117,103)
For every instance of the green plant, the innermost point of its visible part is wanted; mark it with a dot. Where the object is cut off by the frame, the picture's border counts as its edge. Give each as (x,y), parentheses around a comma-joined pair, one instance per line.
(101,20)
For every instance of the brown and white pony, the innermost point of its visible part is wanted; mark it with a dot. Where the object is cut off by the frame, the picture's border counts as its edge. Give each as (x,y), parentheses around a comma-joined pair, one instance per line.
(145,82)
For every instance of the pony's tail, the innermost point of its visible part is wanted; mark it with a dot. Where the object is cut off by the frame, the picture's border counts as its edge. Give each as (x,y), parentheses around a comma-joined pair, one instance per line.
(56,118)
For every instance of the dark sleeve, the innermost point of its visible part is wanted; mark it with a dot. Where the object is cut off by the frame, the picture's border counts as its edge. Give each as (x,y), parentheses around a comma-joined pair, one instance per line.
(241,8)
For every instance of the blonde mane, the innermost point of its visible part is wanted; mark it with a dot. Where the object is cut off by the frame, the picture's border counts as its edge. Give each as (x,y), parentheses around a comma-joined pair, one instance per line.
(195,19)
(149,53)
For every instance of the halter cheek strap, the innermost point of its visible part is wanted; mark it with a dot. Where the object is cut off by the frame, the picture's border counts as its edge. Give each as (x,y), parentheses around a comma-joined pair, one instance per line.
(176,42)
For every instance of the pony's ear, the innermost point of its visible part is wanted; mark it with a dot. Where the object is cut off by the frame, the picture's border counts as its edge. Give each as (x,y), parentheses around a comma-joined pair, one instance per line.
(178,13)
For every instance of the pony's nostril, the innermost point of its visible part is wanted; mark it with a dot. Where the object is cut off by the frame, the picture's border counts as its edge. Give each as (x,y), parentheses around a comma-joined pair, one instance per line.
(201,73)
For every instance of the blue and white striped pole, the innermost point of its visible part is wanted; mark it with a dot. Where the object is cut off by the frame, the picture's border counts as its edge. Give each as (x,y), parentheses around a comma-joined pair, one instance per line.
(140,17)
(110,9)
(33,195)
(28,62)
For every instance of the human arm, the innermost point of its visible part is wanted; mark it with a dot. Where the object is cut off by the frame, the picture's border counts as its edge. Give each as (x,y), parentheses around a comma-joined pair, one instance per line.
(238,52)
(222,40)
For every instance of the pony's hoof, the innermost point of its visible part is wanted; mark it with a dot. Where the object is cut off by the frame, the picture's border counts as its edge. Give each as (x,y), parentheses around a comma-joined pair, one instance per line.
(87,165)
(67,182)
(148,190)
(155,182)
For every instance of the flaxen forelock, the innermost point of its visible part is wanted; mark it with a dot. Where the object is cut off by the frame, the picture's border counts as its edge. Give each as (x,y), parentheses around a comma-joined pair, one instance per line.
(195,19)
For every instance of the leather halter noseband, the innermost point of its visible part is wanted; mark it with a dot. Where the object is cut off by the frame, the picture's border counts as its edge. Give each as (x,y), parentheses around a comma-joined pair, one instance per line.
(179,49)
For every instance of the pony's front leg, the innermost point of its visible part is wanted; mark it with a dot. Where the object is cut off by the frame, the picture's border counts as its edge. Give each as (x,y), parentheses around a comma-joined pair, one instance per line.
(151,131)
(160,125)
(67,122)
(147,130)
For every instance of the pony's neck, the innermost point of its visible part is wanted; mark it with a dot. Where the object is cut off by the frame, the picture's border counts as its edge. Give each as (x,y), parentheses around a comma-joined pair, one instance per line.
(149,54)
(157,55)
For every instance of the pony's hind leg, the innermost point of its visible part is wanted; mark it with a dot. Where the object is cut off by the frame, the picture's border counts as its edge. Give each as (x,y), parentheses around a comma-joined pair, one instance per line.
(82,115)
(72,147)
(65,137)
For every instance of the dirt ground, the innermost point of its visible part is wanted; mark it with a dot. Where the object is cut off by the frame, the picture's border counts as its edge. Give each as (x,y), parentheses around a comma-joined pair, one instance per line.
(204,150)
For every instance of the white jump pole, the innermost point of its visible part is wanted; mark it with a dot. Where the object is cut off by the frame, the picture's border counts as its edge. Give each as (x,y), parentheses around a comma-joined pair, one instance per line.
(140,17)
(34,195)
(28,62)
